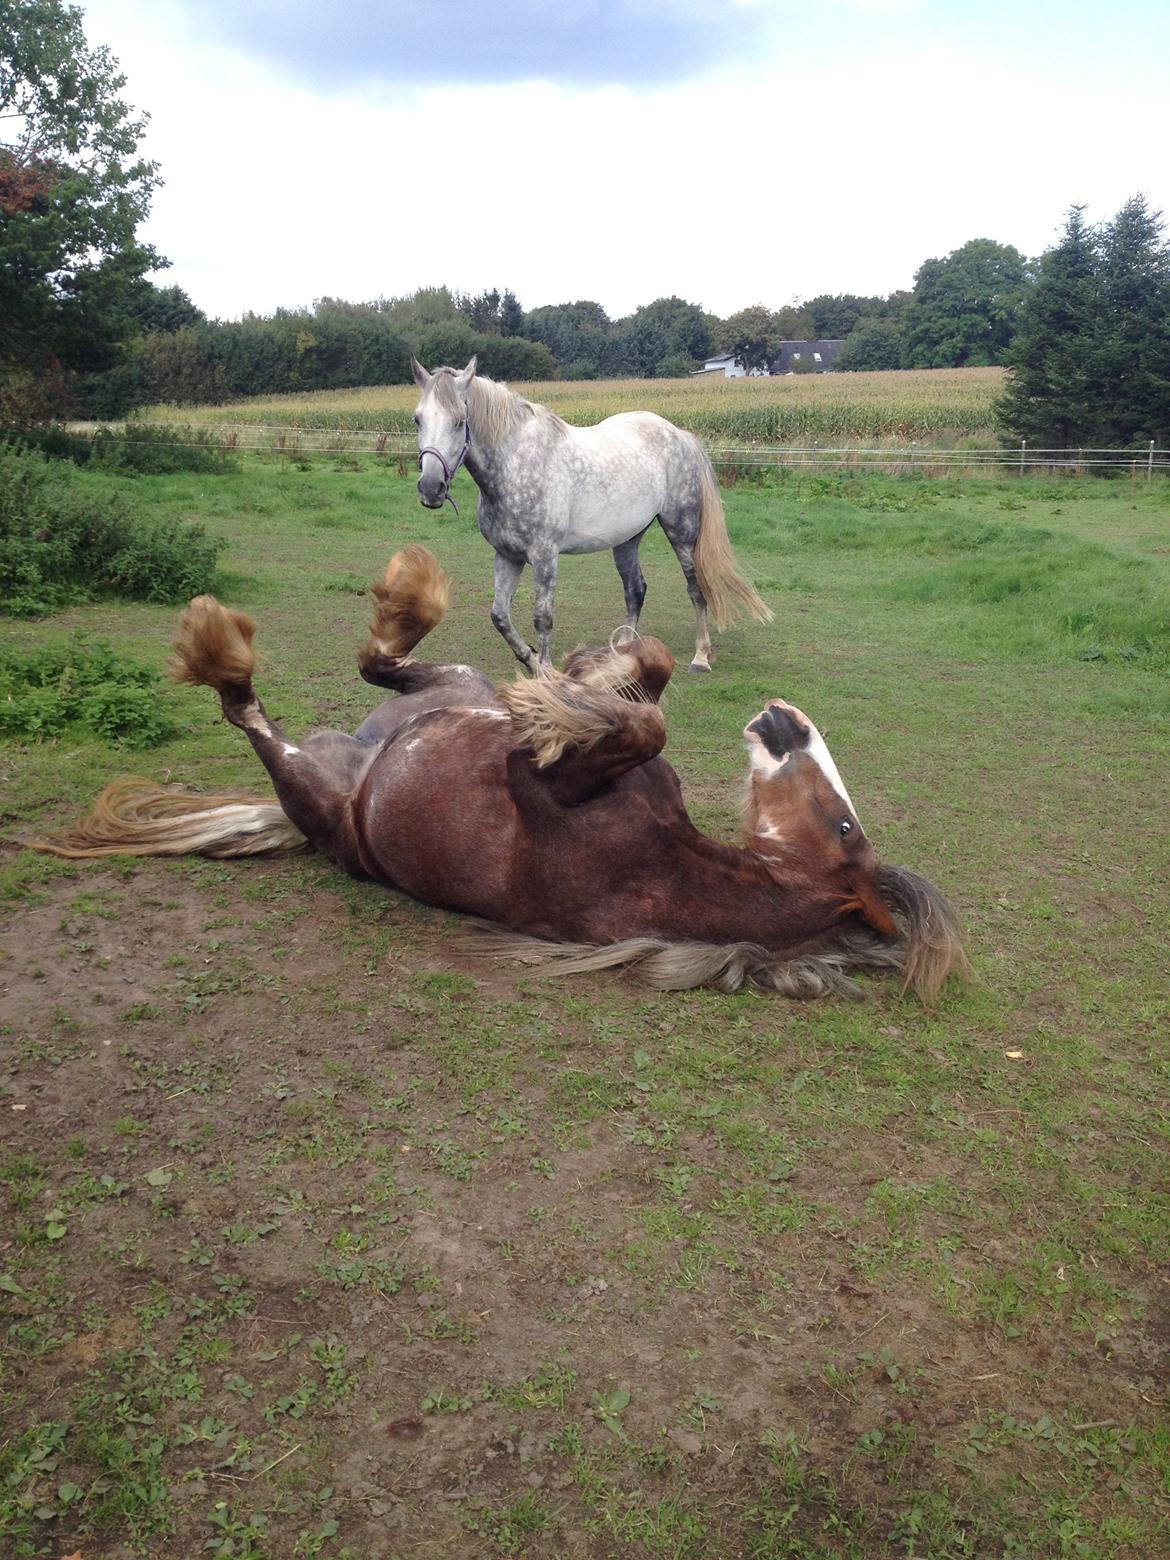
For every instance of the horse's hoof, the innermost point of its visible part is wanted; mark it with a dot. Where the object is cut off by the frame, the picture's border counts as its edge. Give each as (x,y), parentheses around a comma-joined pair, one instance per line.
(699,666)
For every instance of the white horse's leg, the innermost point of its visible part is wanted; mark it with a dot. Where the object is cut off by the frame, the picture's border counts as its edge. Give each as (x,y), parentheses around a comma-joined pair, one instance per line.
(544,579)
(681,532)
(507,578)
(633,580)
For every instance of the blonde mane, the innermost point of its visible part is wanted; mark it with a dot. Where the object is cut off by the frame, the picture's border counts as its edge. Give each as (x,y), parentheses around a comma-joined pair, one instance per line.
(494,412)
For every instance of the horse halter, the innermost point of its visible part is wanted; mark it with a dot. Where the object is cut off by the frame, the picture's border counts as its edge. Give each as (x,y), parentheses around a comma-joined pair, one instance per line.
(449,471)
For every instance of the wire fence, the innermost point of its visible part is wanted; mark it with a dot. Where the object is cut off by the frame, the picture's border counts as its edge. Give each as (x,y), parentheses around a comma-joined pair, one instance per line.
(292,441)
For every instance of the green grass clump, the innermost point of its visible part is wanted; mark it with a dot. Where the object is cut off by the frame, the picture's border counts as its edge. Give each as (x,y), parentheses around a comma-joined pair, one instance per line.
(82,684)
(61,542)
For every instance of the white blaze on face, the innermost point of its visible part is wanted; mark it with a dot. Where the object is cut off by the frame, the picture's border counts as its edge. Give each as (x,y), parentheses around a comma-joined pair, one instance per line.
(767,766)
(817,749)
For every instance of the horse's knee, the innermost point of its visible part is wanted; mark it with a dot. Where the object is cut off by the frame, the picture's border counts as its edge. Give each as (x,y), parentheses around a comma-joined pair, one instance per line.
(542,620)
(501,621)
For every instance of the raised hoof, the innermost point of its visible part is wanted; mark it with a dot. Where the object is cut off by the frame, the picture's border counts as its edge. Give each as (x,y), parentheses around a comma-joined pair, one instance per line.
(698,666)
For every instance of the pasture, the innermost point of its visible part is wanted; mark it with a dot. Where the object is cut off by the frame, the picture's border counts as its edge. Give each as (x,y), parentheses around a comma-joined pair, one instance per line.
(935,406)
(322,1236)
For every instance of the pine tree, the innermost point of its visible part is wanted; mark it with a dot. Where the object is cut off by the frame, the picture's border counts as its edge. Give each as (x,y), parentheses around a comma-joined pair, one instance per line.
(1133,359)
(1090,364)
(1051,399)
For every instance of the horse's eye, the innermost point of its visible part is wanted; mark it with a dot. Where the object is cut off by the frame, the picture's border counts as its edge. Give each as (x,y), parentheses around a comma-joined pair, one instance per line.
(846,827)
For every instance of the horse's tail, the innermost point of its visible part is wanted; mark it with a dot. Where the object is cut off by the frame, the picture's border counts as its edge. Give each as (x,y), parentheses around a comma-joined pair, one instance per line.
(725,588)
(136,818)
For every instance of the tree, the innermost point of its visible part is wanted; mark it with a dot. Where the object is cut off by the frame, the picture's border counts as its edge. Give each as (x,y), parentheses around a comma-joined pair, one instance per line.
(577,334)
(835,315)
(511,314)
(72,194)
(795,323)
(873,344)
(1132,363)
(414,311)
(163,308)
(752,336)
(1091,362)
(964,308)
(1049,396)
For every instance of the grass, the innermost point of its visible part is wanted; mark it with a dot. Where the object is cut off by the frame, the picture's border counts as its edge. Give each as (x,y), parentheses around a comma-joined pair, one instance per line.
(323,1239)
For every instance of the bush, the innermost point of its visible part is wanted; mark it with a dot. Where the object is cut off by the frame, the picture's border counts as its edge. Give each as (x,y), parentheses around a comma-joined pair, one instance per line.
(141,449)
(147,450)
(84,684)
(53,441)
(60,543)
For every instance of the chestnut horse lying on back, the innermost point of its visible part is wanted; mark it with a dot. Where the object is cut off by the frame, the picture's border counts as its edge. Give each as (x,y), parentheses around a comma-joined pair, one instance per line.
(543,806)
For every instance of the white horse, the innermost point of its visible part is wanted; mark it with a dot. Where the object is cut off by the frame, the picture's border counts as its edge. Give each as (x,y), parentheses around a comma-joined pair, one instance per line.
(547,488)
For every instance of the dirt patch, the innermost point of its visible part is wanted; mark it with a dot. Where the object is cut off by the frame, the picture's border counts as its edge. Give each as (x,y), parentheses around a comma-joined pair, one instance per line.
(418,1258)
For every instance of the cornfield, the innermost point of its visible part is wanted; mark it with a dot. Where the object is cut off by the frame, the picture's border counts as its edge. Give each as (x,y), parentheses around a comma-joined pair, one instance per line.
(930,406)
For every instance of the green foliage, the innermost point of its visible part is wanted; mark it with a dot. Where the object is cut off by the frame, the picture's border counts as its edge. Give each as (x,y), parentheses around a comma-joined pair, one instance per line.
(835,315)
(149,450)
(661,339)
(82,684)
(753,335)
(1091,363)
(874,344)
(964,308)
(577,334)
(72,193)
(492,313)
(146,449)
(60,542)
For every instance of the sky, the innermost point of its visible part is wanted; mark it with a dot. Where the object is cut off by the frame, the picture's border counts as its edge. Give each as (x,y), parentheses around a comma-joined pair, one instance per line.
(731,152)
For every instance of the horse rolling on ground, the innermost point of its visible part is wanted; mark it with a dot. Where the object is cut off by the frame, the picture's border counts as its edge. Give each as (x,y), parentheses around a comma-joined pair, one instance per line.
(546,488)
(543,806)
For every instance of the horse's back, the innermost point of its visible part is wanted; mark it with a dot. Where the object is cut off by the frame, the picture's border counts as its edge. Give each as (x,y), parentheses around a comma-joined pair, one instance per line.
(622,473)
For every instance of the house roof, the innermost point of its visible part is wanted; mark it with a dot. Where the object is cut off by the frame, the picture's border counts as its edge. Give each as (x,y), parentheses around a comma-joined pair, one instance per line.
(792,352)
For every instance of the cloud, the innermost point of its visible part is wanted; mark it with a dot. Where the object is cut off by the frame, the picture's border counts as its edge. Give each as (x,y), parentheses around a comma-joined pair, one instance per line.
(422,43)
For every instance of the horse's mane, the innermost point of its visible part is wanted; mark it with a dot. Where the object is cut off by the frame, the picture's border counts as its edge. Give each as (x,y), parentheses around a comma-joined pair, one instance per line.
(493,411)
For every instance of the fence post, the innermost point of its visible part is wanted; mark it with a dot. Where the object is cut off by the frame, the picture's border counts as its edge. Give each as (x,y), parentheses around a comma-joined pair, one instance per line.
(1150,462)
(1023,452)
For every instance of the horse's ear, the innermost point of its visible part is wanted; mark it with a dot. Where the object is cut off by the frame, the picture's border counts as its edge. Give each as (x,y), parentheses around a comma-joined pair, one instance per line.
(466,375)
(421,378)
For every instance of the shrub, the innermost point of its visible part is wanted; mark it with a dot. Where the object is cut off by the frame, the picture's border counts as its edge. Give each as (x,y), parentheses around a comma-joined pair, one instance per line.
(149,450)
(62,543)
(53,441)
(142,449)
(84,684)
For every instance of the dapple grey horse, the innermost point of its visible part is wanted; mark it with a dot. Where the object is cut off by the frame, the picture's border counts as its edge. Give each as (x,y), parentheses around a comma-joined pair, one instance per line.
(547,488)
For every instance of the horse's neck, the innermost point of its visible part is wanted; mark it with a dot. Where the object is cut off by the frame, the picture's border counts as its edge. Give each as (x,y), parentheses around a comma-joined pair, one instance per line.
(491,439)
(727,894)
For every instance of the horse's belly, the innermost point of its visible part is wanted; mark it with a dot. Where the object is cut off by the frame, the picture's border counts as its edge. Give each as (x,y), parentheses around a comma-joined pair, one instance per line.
(611,517)
(434,815)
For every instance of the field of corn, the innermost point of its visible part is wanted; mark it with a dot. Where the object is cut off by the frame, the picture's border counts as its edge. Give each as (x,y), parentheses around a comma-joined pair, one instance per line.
(934,406)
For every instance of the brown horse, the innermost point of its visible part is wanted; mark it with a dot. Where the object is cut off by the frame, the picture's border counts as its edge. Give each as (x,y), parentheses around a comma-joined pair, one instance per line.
(543,807)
